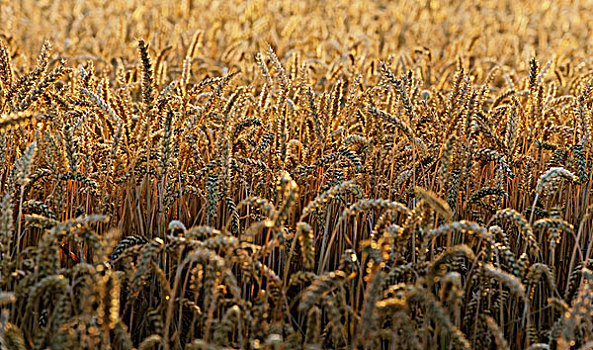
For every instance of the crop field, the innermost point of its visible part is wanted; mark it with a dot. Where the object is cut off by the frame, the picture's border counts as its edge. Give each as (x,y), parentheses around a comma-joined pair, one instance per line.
(271,174)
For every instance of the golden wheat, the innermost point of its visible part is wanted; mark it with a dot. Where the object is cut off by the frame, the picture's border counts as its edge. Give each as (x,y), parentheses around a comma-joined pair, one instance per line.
(296,175)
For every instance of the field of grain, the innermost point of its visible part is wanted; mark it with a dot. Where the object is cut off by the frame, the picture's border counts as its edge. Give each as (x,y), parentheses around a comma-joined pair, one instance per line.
(273,174)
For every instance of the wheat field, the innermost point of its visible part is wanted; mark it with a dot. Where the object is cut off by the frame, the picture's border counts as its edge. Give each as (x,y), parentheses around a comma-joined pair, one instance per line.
(296,174)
